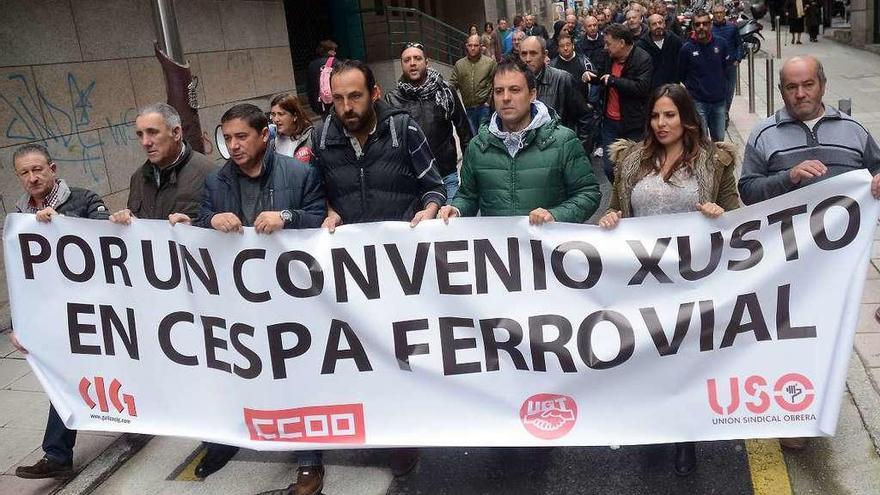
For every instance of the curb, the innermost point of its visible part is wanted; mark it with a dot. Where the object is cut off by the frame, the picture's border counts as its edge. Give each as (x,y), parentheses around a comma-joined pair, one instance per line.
(103,466)
(865,397)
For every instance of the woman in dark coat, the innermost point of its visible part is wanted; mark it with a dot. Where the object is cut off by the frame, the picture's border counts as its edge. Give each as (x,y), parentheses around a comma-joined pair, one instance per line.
(794,9)
(813,16)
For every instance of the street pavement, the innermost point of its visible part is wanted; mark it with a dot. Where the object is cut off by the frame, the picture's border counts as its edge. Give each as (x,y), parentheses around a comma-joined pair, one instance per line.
(845,464)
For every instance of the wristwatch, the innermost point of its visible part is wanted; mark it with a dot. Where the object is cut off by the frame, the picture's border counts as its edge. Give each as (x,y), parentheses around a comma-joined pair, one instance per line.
(287,216)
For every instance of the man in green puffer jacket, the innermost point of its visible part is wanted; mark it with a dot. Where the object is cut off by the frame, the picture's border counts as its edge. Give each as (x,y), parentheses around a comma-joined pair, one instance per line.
(524,162)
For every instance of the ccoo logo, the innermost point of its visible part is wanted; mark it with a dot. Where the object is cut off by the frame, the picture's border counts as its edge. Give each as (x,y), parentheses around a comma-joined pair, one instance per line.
(548,416)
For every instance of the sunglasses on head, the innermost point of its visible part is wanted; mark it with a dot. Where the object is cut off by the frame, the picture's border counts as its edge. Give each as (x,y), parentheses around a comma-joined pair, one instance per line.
(413,44)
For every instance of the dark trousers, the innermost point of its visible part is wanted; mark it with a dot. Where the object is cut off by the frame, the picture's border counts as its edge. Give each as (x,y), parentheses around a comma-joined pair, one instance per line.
(303,457)
(58,440)
(612,131)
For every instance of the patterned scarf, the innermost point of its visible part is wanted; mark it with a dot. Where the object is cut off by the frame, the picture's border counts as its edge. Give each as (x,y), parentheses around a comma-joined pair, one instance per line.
(434,88)
(50,201)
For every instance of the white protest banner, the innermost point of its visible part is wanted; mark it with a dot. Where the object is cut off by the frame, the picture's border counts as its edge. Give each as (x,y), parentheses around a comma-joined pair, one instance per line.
(486,331)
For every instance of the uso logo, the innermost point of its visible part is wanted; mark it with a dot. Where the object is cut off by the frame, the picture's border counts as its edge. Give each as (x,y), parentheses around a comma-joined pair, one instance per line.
(793,392)
(337,423)
(548,416)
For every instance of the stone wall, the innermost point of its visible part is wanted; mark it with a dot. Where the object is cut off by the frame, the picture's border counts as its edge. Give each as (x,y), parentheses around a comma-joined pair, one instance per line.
(73,73)
(862,16)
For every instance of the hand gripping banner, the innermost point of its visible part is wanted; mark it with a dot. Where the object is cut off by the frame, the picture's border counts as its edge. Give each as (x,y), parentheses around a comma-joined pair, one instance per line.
(486,331)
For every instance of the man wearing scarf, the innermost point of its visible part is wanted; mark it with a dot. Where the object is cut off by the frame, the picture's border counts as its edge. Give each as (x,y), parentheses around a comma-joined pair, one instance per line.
(702,64)
(48,196)
(524,162)
(432,103)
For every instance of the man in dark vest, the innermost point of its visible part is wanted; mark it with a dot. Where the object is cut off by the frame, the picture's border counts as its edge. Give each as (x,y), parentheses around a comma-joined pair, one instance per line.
(377,166)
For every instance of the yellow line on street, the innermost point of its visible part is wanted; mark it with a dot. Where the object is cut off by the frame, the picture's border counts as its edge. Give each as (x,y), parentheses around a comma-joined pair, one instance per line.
(189,472)
(767,467)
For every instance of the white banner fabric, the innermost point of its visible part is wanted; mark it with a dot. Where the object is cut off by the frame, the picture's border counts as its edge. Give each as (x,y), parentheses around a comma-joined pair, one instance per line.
(483,332)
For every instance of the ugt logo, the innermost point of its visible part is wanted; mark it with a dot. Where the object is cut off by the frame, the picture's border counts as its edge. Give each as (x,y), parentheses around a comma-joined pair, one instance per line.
(793,392)
(102,394)
(548,416)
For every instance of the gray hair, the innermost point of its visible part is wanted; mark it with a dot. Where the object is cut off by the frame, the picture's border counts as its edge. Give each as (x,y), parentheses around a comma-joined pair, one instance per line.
(820,69)
(541,41)
(27,149)
(168,113)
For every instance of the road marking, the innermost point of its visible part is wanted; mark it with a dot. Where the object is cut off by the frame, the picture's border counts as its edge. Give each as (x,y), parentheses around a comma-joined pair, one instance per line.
(767,467)
(188,473)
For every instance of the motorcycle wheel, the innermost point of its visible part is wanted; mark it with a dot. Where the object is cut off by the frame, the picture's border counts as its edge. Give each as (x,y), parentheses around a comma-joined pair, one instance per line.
(753,45)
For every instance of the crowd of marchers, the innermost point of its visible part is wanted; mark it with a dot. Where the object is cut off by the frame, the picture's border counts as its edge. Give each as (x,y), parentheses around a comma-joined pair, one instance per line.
(525,109)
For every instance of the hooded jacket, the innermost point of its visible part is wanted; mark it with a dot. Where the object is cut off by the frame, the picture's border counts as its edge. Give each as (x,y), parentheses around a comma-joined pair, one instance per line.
(513,173)
(385,182)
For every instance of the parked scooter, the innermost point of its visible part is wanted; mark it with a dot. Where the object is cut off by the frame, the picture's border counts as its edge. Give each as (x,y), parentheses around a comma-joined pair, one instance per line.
(750,33)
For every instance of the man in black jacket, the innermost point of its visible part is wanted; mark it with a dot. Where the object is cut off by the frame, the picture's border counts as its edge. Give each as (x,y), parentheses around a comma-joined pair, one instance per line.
(556,88)
(663,47)
(48,196)
(627,80)
(375,159)
(269,192)
(592,45)
(433,104)
(533,29)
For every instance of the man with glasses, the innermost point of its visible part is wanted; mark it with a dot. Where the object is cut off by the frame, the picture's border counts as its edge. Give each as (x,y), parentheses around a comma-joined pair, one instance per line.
(433,104)
(702,65)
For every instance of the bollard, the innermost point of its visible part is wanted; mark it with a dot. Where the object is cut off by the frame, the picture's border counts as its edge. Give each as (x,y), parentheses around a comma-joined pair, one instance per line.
(770,95)
(738,90)
(751,61)
(822,16)
(778,37)
(845,106)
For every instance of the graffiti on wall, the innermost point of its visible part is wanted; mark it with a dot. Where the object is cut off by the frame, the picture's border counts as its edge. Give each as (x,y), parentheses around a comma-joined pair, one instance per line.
(62,123)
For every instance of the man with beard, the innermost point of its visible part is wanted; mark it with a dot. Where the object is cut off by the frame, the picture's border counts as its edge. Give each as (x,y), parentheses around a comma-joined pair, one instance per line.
(663,47)
(433,104)
(702,66)
(555,87)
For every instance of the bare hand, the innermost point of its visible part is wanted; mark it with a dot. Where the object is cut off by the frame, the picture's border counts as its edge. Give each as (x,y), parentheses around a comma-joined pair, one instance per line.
(226,222)
(176,218)
(45,215)
(332,221)
(610,220)
(540,216)
(268,222)
(428,213)
(807,169)
(447,212)
(588,76)
(875,186)
(122,217)
(711,210)
(605,79)
(16,344)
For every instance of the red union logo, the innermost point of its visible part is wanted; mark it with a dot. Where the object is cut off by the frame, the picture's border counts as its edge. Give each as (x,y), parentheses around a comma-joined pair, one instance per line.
(102,394)
(338,423)
(548,416)
(793,392)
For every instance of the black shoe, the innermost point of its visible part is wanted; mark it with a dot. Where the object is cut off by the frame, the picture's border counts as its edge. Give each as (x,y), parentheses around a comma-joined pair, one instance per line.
(403,461)
(44,468)
(215,458)
(685,458)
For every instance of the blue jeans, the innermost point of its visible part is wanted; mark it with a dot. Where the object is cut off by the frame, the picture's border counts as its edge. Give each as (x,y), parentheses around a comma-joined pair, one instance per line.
(730,74)
(476,116)
(714,117)
(452,184)
(58,440)
(611,131)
